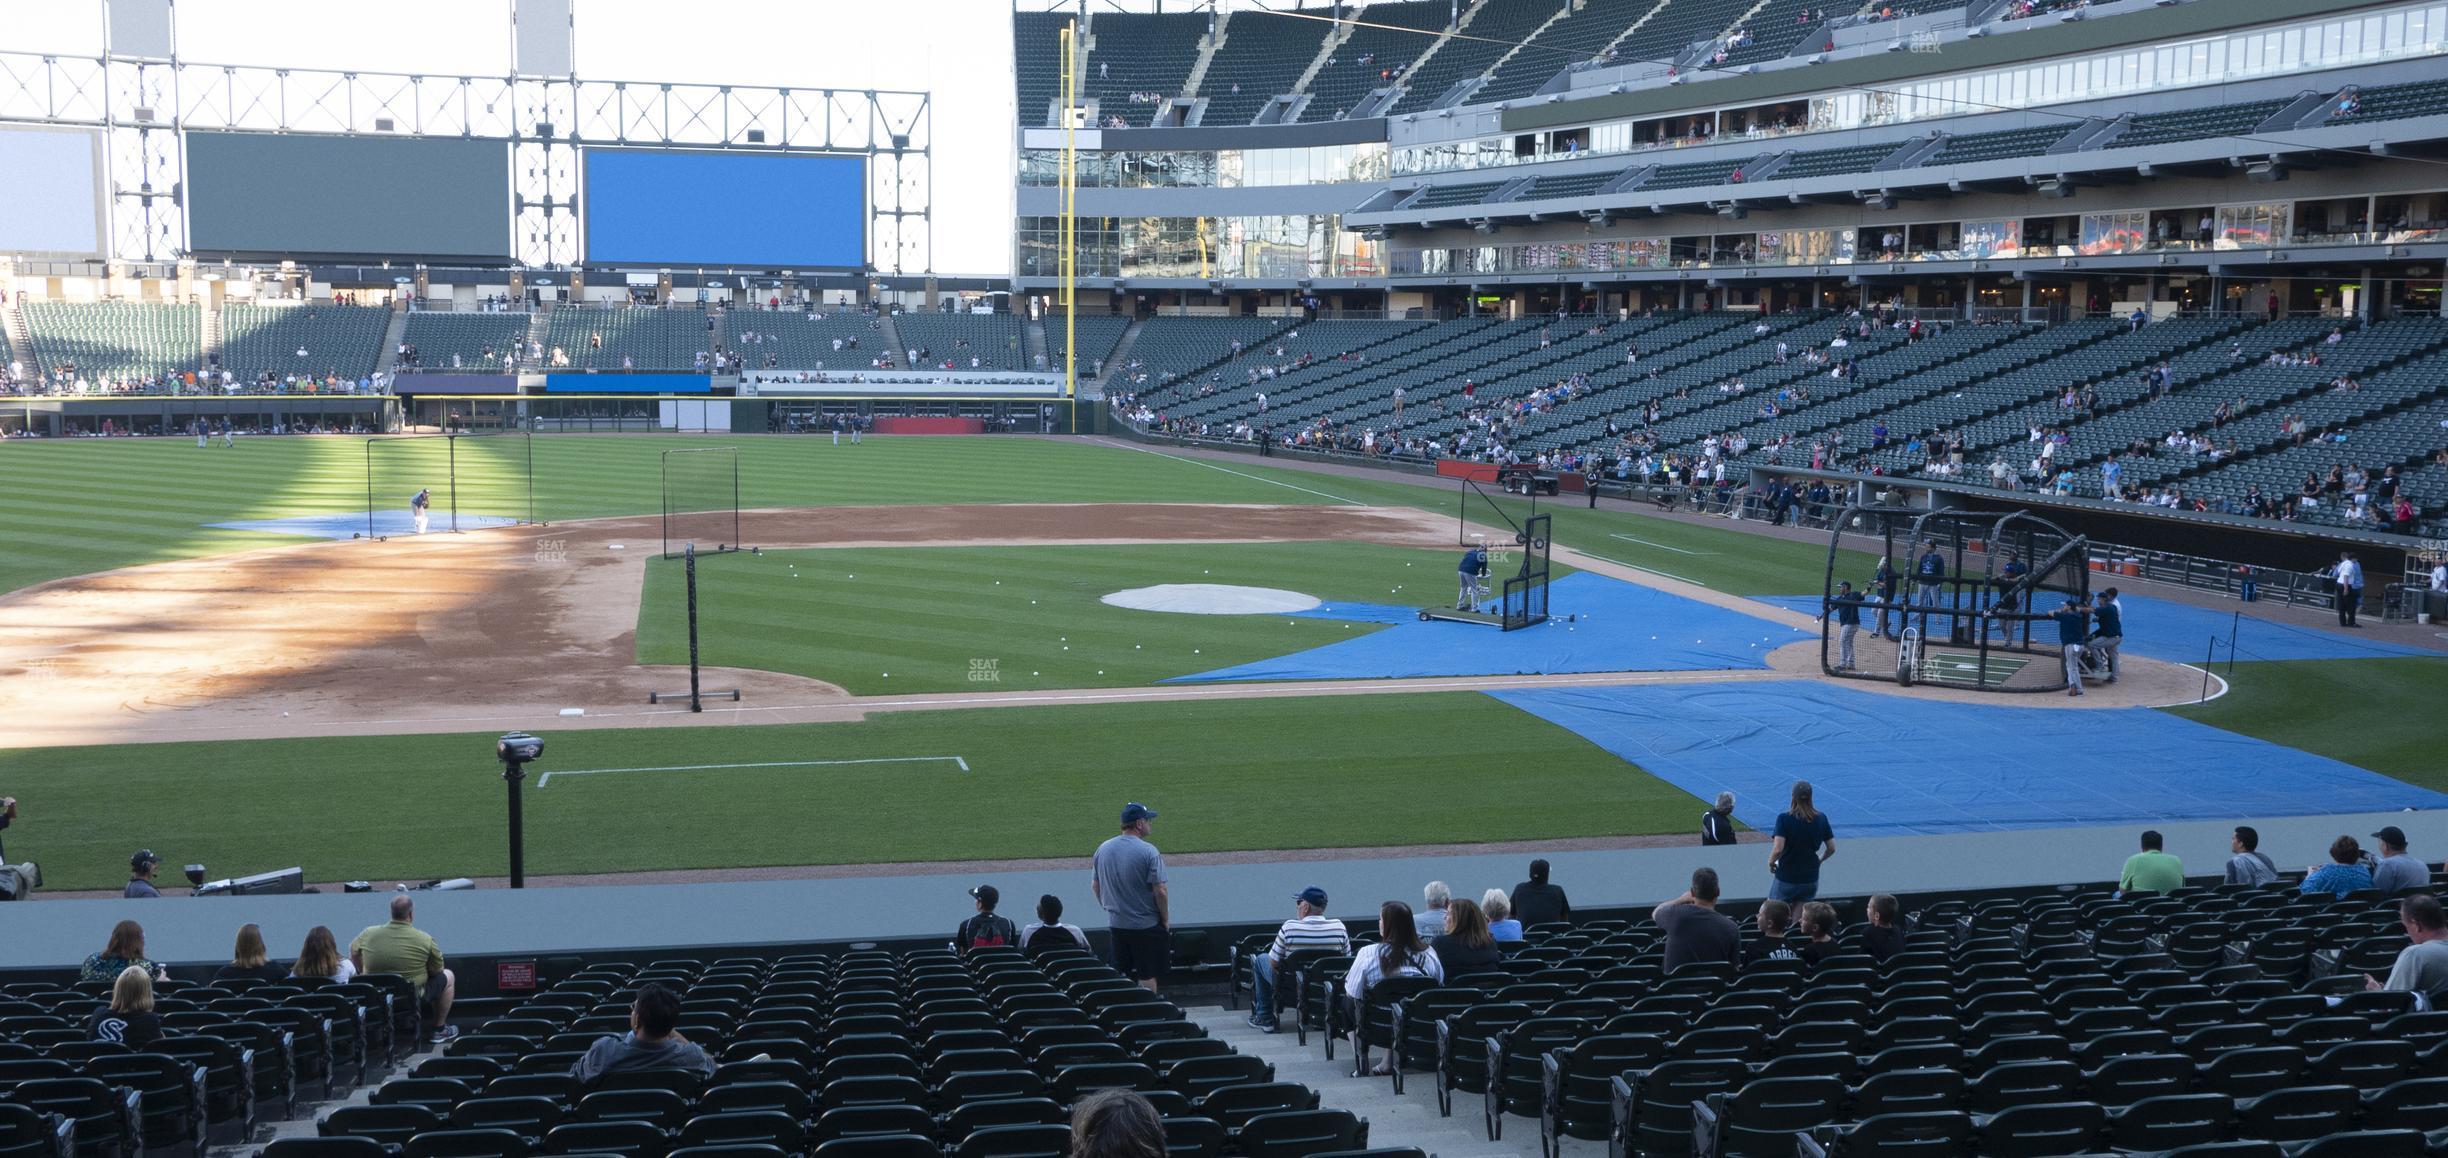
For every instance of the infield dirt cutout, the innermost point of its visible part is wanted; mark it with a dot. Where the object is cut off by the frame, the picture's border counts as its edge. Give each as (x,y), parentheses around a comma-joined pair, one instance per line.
(508,627)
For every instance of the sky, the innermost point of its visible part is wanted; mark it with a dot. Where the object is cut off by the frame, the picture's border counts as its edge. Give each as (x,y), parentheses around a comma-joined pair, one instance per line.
(957,50)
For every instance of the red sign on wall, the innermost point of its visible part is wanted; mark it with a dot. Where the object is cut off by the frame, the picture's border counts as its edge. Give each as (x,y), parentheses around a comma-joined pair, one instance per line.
(510,975)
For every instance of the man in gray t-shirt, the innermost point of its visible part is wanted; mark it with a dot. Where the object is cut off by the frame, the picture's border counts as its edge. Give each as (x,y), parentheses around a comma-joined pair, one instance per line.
(1130,883)
(653,1042)
(2397,869)
(2422,967)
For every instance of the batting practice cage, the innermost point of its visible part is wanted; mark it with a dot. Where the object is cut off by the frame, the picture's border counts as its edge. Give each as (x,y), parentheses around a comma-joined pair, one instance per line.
(1515,573)
(701,500)
(471,481)
(1967,604)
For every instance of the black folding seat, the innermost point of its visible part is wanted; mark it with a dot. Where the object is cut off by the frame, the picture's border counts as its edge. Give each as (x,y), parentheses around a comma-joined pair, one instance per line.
(2042,1129)
(1299,1133)
(389,1125)
(2244,1073)
(2412,1104)
(1576,1080)
(629,1139)
(1235,1105)
(2299,1114)
(1761,1119)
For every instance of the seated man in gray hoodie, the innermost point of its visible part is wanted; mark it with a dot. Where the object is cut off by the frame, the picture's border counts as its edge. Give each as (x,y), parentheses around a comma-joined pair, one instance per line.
(653,1042)
(2249,865)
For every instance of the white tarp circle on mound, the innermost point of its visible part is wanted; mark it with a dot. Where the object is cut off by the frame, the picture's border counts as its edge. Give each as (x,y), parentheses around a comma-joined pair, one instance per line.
(1212,599)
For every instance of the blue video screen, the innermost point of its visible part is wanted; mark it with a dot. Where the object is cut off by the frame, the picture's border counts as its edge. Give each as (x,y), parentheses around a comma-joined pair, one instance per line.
(672,207)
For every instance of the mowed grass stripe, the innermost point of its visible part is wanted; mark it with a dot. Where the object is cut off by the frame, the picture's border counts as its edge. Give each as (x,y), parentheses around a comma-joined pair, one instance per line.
(91,505)
(1366,770)
(913,619)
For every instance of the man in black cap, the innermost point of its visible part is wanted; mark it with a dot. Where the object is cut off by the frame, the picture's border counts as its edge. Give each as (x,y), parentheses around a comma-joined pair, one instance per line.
(985,930)
(1129,882)
(140,875)
(1309,931)
(2397,870)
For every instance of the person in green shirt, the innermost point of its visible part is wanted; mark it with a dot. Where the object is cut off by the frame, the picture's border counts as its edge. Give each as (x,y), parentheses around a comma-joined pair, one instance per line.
(2151,870)
(402,949)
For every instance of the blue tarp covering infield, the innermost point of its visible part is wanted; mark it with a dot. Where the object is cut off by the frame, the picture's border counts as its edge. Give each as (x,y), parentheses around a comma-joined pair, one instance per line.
(2181,633)
(386,524)
(1622,627)
(1885,765)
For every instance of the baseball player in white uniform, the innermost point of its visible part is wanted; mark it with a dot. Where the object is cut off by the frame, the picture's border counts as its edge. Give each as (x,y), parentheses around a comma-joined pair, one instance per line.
(418,504)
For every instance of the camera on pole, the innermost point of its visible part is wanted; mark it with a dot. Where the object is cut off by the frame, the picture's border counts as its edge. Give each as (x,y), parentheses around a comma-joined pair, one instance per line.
(516,750)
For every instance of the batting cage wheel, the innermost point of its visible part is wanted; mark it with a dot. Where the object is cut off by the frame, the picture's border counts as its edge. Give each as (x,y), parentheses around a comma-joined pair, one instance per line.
(1908,655)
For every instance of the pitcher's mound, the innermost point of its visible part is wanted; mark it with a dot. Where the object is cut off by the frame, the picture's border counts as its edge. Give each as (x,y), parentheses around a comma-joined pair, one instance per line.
(1212,599)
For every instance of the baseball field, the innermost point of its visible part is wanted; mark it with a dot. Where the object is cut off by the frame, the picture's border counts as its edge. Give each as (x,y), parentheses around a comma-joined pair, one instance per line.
(196,657)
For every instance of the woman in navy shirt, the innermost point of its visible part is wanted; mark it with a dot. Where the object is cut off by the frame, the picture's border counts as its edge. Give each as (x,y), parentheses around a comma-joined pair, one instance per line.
(1803,841)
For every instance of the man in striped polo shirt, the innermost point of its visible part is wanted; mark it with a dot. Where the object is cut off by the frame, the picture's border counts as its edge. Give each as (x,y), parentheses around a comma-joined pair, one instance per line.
(1311,931)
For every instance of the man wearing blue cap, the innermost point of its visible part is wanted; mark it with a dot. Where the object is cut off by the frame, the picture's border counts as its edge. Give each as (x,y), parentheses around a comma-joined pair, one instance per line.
(1130,883)
(1309,931)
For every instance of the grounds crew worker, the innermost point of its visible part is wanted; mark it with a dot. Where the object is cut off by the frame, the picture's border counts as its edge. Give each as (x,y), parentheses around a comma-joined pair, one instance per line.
(1474,565)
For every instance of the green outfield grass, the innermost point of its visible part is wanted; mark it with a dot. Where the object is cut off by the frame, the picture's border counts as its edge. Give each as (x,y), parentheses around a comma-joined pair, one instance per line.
(2381,714)
(1287,773)
(932,619)
(76,507)
(80,506)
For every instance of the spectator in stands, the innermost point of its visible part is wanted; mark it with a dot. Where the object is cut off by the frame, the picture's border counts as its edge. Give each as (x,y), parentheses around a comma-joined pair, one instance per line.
(1116,1124)
(248,958)
(1432,918)
(401,949)
(2345,872)
(1770,945)
(2422,967)
(2397,870)
(1535,902)
(129,1019)
(1466,946)
(1050,923)
(126,947)
(985,929)
(653,1042)
(1695,930)
(140,875)
(1398,952)
(1309,931)
(320,957)
(1884,938)
(1717,824)
(1803,841)
(1818,922)
(1129,882)
(2249,865)
(2151,870)
(1499,910)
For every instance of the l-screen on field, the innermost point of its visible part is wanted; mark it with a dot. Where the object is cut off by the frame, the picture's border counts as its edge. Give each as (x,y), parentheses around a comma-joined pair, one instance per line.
(946,649)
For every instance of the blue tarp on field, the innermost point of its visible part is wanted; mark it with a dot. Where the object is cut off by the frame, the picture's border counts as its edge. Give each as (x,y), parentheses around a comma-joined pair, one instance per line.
(1620,627)
(385,523)
(1884,765)
(2181,632)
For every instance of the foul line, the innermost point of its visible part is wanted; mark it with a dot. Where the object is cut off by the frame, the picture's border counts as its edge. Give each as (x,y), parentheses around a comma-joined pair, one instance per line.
(545,781)
(1231,471)
(1638,567)
(1659,546)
